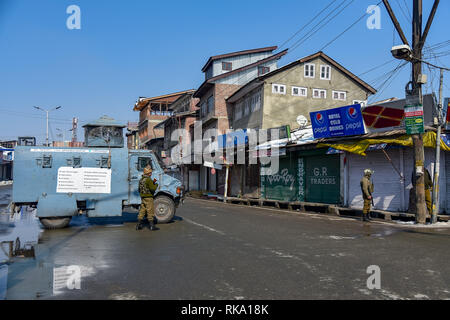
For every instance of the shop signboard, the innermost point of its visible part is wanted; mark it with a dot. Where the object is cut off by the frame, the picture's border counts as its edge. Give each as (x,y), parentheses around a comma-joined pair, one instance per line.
(338,122)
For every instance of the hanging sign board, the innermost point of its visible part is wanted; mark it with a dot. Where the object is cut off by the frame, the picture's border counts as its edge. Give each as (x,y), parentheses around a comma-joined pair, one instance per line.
(414,115)
(338,122)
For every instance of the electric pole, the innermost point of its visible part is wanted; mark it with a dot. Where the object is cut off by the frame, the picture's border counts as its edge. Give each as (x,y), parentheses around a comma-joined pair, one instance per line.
(47,112)
(415,93)
(419,154)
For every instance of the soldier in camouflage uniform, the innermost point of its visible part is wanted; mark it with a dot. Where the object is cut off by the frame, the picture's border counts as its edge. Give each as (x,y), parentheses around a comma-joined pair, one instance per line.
(147,188)
(367,191)
(428,189)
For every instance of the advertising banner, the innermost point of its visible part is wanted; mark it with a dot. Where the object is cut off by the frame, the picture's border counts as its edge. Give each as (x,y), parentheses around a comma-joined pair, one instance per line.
(338,122)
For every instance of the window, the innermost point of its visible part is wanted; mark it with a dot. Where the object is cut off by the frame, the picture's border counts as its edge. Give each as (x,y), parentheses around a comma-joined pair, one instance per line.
(238,111)
(363,103)
(143,162)
(278,88)
(227,66)
(203,108)
(210,103)
(339,95)
(319,93)
(263,70)
(299,91)
(247,107)
(309,70)
(325,72)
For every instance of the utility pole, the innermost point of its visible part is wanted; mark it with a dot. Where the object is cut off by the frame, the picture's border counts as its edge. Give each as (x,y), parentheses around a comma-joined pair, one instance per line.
(415,93)
(419,154)
(438,153)
(47,112)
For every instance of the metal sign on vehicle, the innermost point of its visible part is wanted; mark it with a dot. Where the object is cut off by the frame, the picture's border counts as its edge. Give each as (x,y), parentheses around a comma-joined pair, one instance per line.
(338,122)
(83,180)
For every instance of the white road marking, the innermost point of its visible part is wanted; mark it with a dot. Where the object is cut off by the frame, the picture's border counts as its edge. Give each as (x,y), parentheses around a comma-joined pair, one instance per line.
(203,226)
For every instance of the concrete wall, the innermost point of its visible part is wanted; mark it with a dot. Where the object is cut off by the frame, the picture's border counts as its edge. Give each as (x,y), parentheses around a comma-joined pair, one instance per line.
(279,109)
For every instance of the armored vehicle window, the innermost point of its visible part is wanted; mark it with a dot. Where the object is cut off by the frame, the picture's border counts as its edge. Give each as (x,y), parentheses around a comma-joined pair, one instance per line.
(47,161)
(76,162)
(143,162)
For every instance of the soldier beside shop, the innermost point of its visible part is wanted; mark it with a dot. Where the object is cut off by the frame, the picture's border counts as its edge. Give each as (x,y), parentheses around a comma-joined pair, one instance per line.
(367,189)
(428,189)
(147,188)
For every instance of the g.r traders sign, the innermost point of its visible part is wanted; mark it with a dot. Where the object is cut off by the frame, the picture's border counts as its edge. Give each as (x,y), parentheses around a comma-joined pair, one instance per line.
(338,122)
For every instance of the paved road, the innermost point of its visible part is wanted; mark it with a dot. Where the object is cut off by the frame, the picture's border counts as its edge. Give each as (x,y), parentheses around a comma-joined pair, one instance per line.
(218,251)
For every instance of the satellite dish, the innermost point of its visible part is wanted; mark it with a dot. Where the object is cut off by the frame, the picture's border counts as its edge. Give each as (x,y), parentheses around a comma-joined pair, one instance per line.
(302,121)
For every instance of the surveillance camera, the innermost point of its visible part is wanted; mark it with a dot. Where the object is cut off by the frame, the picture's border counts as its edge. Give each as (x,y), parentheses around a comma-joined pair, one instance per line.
(402,52)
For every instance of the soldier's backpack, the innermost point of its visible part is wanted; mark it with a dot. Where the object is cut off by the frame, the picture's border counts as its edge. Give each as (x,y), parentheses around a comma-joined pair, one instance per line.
(143,188)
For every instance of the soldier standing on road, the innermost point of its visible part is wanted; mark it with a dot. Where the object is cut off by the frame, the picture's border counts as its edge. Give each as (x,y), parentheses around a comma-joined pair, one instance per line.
(367,191)
(147,188)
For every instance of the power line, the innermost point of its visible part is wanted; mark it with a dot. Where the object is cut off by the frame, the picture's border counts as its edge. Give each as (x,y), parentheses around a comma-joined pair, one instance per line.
(348,28)
(313,31)
(308,23)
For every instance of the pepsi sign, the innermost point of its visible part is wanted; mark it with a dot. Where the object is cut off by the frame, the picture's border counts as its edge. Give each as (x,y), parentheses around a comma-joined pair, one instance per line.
(338,122)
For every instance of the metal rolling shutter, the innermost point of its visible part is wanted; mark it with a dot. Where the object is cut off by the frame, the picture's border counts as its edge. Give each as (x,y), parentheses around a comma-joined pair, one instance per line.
(387,195)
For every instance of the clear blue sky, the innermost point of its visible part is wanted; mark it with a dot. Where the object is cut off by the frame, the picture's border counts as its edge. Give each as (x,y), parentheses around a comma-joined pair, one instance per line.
(127,49)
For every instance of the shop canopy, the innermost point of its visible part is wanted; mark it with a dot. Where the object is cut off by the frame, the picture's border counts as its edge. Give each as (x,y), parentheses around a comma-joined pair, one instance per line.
(360,147)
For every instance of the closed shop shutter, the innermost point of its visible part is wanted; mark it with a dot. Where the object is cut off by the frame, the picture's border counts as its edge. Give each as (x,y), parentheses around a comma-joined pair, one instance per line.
(193,180)
(388,189)
(283,185)
(322,175)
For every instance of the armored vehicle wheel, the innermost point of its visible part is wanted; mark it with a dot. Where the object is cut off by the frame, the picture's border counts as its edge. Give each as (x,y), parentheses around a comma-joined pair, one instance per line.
(53,223)
(164,209)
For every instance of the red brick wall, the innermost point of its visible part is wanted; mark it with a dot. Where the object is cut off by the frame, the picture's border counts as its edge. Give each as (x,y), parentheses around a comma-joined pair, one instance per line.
(222,92)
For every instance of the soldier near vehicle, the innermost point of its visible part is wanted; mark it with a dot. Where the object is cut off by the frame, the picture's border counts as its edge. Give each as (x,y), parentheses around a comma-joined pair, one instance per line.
(147,188)
(367,189)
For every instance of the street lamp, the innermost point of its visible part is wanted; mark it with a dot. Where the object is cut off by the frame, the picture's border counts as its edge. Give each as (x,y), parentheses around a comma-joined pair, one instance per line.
(47,112)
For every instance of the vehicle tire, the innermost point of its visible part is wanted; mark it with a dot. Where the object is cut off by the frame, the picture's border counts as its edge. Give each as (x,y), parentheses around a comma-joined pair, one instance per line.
(53,223)
(164,209)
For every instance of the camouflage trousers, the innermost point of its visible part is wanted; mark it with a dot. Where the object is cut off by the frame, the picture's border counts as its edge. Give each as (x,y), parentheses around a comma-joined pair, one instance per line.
(147,208)
(367,206)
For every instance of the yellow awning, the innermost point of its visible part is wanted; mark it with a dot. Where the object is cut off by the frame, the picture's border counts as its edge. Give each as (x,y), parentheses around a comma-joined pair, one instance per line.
(360,147)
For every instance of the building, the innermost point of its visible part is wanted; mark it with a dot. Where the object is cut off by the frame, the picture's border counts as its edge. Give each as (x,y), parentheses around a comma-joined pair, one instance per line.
(277,98)
(224,75)
(6,159)
(184,115)
(132,135)
(151,112)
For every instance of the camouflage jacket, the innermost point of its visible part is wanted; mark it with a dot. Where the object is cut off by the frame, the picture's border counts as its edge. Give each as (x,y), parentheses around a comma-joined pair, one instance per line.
(366,187)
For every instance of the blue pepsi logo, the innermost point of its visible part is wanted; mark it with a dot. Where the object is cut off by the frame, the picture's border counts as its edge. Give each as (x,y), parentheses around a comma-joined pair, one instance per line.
(319,118)
(352,113)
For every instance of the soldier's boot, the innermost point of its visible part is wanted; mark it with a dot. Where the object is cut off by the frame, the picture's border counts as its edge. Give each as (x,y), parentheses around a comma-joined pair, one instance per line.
(151,226)
(139,225)
(364,217)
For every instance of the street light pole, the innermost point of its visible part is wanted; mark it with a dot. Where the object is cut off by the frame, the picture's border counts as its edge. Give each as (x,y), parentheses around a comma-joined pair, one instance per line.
(438,154)
(47,112)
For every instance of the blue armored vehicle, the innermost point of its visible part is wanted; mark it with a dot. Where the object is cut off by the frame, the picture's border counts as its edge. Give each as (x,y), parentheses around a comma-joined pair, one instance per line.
(99,179)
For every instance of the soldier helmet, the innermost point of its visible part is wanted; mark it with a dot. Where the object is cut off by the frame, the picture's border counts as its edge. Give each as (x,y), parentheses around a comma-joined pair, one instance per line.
(368,172)
(148,171)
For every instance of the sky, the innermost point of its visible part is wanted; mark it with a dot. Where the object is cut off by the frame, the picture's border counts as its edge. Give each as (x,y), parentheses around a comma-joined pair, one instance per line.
(129,49)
